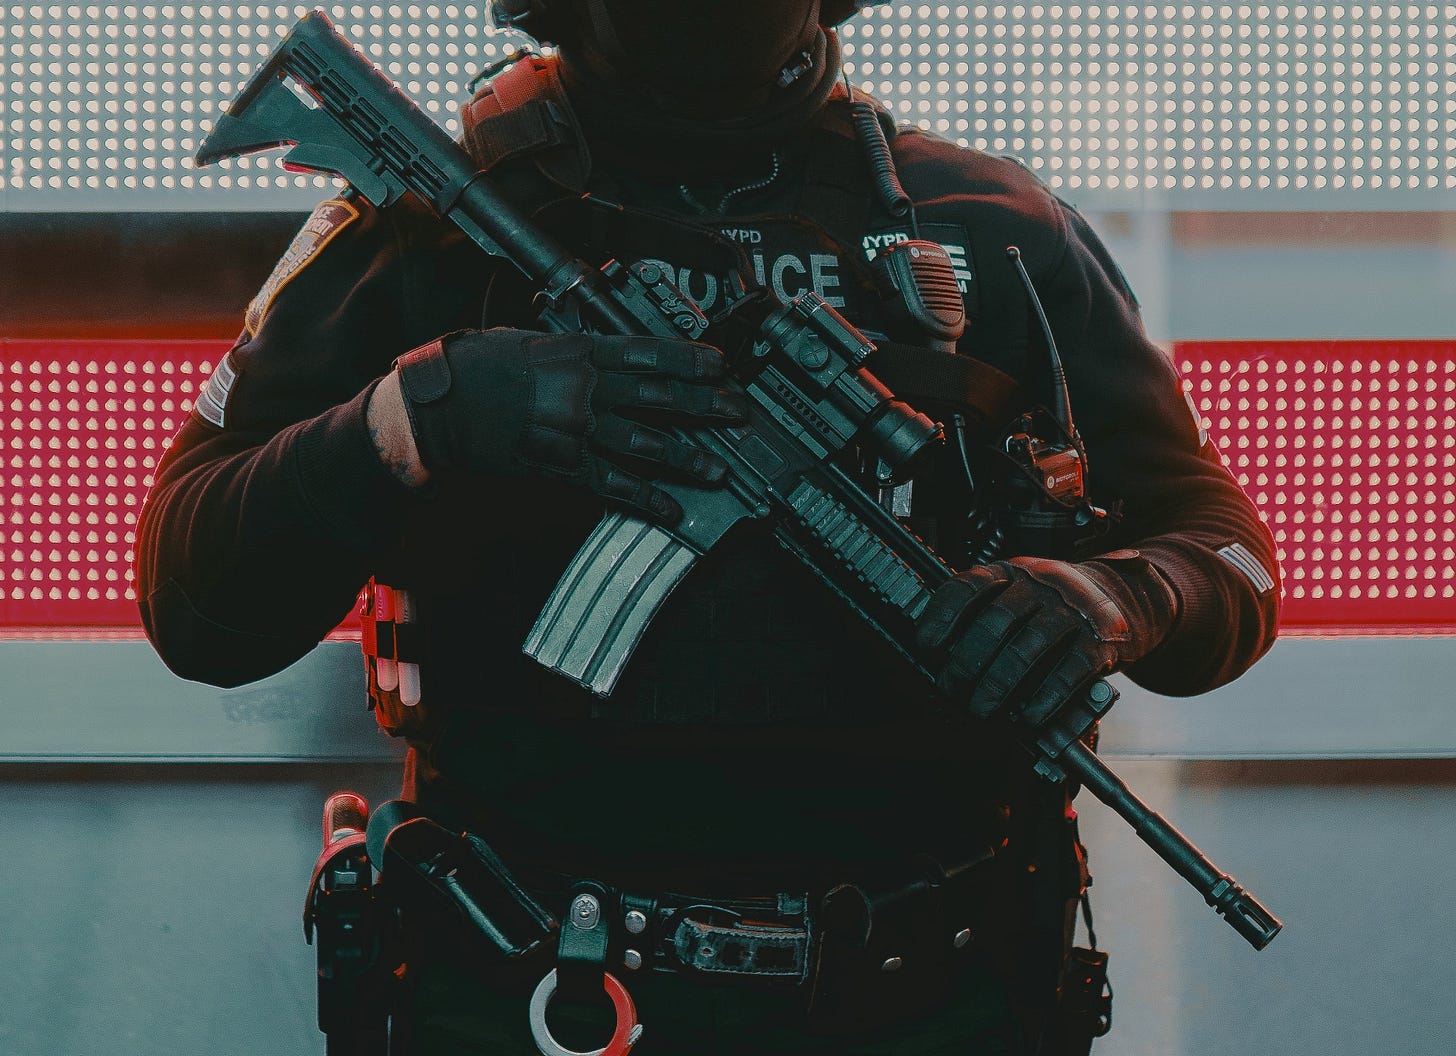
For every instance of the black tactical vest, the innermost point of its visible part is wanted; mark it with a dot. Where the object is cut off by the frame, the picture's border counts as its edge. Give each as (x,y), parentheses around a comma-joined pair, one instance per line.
(751,636)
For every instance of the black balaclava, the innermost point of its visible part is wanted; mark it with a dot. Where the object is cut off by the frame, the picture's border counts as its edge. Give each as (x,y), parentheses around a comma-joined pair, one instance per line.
(700,59)
(721,76)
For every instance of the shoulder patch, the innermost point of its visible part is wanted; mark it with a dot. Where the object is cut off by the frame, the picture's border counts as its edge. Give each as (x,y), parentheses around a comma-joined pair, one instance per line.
(212,399)
(326,221)
(1237,555)
(1197,415)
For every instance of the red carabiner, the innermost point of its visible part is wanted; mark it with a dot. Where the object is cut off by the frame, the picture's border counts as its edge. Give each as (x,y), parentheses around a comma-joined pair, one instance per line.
(627,1033)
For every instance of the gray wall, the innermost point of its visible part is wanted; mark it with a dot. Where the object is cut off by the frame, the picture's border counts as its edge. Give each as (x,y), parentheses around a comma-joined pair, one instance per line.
(159,833)
(156,910)
(1355,856)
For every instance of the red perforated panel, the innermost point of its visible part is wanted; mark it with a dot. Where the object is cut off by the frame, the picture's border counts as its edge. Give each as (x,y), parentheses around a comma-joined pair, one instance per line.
(82,425)
(1348,447)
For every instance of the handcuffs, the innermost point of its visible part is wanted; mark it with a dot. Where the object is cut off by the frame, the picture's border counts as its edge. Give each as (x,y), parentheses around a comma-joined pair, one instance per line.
(582,952)
(627,1033)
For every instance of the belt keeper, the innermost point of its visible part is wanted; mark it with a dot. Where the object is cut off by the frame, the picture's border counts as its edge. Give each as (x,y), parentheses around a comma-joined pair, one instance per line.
(639,920)
(385,646)
(581,950)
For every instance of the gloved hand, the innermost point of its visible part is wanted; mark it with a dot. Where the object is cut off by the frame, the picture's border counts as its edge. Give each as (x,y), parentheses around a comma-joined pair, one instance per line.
(1020,637)
(518,403)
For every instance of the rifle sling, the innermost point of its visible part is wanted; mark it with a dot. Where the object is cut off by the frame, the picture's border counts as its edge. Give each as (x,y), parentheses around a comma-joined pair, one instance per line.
(938,379)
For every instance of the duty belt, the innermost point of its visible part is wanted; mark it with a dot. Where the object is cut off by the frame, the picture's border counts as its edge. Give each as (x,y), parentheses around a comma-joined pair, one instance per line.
(763,939)
(885,941)
(857,951)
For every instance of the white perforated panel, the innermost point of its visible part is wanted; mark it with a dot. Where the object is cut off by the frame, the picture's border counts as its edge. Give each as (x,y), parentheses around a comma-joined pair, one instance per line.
(1284,106)
(1183,99)
(107,103)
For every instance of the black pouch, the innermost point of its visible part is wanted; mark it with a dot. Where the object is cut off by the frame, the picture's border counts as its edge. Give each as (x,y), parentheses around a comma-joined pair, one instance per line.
(884,948)
(1086,1005)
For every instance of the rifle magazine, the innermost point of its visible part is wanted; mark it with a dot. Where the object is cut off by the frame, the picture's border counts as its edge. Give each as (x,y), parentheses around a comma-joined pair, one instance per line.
(603,604)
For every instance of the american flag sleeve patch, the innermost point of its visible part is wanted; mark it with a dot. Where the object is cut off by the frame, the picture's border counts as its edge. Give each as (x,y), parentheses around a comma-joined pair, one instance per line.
(1238,555)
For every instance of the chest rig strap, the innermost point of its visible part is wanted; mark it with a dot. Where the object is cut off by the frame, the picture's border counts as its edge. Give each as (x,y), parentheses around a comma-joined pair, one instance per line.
(838,187)
(923,378)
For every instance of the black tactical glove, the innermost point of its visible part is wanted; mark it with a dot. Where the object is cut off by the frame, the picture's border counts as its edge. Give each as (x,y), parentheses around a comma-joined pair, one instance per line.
(1020,637)
(519,403)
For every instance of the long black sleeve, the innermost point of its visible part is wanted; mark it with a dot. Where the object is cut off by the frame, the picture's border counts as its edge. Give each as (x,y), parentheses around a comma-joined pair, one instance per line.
(1179,503)
(271,508)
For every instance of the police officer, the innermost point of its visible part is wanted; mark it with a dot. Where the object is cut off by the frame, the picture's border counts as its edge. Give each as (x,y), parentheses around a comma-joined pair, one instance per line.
(765,755)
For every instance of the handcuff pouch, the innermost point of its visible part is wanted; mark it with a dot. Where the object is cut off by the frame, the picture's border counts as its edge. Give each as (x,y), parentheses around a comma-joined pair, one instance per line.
(458,887)
(392,637)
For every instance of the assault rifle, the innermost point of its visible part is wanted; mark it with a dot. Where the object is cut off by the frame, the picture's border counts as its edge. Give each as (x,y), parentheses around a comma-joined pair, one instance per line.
(800,364)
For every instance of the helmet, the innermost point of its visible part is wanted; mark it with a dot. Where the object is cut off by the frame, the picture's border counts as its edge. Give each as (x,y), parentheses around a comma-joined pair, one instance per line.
(540,18)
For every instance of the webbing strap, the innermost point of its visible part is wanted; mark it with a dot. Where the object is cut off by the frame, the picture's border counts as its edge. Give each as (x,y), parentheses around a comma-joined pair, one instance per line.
(523,112)
(918,375)
(522,130)
(838,185)
(383,635)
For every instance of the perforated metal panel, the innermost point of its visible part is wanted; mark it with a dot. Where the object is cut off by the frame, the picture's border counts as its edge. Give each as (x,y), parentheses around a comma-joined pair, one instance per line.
(1349,449)
(82,425)
(108,102)
(1286,106)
